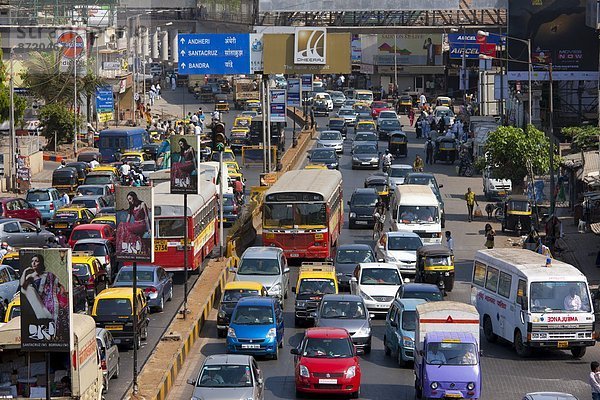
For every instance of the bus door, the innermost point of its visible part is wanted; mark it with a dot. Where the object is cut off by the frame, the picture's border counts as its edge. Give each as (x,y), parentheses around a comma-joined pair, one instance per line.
(521,310)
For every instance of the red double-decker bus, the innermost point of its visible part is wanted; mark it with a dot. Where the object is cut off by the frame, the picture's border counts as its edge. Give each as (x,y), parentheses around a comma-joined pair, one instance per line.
(303,213)
(202,227)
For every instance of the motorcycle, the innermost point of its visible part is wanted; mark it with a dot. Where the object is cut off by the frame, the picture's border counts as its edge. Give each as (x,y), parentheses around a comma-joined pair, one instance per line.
(465,168)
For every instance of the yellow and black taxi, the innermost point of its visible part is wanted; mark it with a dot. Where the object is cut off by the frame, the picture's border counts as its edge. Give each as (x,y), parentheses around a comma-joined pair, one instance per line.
(67,218)
(11,259)
(315,279)
(232,293)
(315,166)
(113,311)
(106,168)
(106,219)
(379,181)
(242,122)
(88,269)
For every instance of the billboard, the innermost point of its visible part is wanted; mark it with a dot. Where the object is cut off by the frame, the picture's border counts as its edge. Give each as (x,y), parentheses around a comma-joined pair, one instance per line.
(277,105)
(184,164)
(409,49)
(471,45)
(135,223)
(293,92)
(310,45)
(46,299)
(256,52)
(356,52)
(558,33)
(214,53)
(279,50)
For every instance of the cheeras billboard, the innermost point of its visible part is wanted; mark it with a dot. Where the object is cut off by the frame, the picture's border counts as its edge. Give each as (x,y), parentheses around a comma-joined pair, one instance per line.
(559,35)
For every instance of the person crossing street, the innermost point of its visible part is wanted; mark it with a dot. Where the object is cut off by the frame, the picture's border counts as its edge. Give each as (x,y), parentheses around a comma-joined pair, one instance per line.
(471,201)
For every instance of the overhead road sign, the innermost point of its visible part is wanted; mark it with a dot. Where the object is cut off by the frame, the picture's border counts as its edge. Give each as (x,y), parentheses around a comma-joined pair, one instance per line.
(214,54)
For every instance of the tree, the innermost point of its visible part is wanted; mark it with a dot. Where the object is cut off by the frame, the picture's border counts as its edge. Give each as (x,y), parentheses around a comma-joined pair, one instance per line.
(582,137)
(510,149)
(56,121)
(19,102)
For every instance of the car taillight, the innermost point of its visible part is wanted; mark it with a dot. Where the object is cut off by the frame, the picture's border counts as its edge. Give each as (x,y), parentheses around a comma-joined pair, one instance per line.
(103,363)
(150,290)
(235,210)
(91,280)
(52,206)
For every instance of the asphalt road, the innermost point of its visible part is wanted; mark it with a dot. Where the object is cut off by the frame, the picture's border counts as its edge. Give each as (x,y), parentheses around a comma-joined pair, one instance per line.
(505,376)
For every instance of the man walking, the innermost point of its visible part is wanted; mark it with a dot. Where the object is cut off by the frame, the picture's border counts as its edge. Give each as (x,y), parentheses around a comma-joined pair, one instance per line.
(449,241)
(470,199)
(429,151)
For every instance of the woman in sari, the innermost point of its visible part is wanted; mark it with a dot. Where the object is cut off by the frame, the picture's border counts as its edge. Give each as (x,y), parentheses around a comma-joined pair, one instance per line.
(181,170)
(133,235)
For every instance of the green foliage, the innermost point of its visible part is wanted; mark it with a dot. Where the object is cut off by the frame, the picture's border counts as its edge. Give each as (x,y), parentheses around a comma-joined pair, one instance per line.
(582,137)
(19,101)
(510,149)
(56,120)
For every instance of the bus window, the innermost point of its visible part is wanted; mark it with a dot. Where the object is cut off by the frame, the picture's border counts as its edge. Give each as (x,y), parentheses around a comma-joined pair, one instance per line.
(504,284)
(478,274)
(169,228)
(522,294)
(491,282)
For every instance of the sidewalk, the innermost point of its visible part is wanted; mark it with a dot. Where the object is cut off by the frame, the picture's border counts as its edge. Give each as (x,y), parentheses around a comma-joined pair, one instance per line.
(581,250)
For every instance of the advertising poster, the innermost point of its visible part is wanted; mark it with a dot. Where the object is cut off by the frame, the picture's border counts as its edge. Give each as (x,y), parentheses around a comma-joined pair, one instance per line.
(256,53)
(356,49)
(135,223)
(559,35)
(306,83)
(277,104)
(184,164)
(409,49)
(293,92)
(46,299)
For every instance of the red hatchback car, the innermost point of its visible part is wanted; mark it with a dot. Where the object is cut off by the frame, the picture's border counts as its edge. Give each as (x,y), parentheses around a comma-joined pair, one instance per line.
(14,207)
(326,362)
(92,231)
(377,107)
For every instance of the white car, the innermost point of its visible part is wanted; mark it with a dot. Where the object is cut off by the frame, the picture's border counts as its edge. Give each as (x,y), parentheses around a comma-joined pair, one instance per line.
(377,284)
(387,114)
(331,139)
(441,112)
(324,96)
(400,249)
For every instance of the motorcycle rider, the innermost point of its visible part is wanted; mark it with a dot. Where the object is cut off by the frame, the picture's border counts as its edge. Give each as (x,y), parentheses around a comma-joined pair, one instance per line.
(386,160)
(465,162)
(418,164)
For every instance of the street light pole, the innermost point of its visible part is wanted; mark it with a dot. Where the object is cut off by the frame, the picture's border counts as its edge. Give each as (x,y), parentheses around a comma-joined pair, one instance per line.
(13,137)
(396,62)
(529,76)
(75,94)
(551,137)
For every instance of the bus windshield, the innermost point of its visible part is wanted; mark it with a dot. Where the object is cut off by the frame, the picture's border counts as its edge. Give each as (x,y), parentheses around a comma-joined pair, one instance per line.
(560,297)
(417,214)
(296,214)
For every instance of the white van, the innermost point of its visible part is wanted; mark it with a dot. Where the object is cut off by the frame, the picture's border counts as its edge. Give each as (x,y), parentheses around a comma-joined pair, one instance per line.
(495,188)
(532,305)
(209,171)
(415,209)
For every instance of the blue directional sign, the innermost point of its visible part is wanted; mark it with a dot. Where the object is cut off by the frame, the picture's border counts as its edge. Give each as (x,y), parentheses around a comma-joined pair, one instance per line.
(293,92)
(467,43)
(104,99)
(214,54)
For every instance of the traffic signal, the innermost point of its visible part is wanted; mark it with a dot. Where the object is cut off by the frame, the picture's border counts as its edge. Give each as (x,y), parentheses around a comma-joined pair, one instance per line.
(218,136)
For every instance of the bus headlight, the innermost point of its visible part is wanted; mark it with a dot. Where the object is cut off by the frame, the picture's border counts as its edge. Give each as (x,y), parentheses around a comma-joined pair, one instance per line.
(434,385)
(470,385)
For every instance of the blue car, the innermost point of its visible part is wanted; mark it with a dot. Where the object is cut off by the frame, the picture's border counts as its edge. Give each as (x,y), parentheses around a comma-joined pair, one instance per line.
(256,327)
(156,283)
(46,200)
(230,209)
(399,336)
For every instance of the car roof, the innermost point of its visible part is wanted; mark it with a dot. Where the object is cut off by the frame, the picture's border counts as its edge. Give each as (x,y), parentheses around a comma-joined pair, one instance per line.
(365,191)
(117,292)
(330,131)
(401,166)
(256,301)
(354,246)
(87,259)
(243,285)
(93,185)
(342,297)
(145,267)
(90,226)
(551,396)
(409,304)
(93,241)
(422,287)
(434,249)
(261,251)
(87,197)
(326,332)
(402,234)
(382,265)
(235,359)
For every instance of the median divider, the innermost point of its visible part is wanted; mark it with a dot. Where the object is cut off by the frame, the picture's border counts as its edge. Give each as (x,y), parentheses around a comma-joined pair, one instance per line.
(160,371)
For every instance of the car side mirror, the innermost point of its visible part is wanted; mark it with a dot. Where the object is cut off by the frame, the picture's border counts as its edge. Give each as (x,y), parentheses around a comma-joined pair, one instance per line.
(191,381)
(353,279)
(440,186)
(394,324)
(286,270)
(294,351)
(293,289)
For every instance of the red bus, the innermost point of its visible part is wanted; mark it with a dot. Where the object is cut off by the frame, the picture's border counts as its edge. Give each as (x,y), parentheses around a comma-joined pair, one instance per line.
(202,227)
(303,213)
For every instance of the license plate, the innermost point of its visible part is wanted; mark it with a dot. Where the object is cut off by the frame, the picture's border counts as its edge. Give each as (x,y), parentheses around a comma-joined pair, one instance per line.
(61,225)
(501,193)
(563,345)
(366,163)
(160,246)
(114,327)
(453,396)
(328,381)
(251,346)
(361,222)
(381,305)
(294,255)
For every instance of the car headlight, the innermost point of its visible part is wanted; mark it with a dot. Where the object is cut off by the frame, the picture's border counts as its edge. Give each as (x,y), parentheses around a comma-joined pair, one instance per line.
(470,385)
(300,303)
(231,332)
(434,385)
(364,331)
(374,159)
(304,371)
(272,333)
(407,342)
(350,372)
(352,215)
(355,159)
(390,259)
(275,289)
(366,296)
(222,313)
(196,398)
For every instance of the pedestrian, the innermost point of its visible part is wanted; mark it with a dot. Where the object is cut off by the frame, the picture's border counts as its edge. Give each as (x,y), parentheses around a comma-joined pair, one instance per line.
(595,380)
(158,91)
(489,234)
(65,198)
(429,151)
(418,164)
(63,164)
(411,116)
(449,241)
(173,82)
(422,100)
(471,201)
(489,209)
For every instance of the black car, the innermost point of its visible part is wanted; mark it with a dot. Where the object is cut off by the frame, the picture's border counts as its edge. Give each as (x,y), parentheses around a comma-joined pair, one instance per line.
(362,207)
(365,156)
(386,126)
(320,107)
(425,291)
(347,257)
(338,124)
(325,156)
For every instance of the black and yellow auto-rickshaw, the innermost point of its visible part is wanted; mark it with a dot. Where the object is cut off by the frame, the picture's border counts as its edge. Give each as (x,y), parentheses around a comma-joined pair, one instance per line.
(435,264)
(446,149)
(65,180)
(221,103)
(379,181)
(517,214)
(398,144)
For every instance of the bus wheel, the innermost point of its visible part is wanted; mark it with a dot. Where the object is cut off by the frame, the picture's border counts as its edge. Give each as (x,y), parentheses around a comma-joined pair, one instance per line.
(488,330)
(521,348)
(578,352)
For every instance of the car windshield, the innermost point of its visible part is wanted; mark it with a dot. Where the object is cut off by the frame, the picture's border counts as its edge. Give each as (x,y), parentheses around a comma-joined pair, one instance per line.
(330,136)
(350,256)
(148,167)
(399,172)
(95,248)
(389,123)
(234,295)
(259,266)
(451,352)
(327,348)
(86,234)
(378,104)
(228,375)
(65,214)
(90,191)
(86,203)
(404,243)
(343,310)
(424,295)
(419,180)
(380,276)
(316,286)
(418,214)
(81,270)
(364,200)
(409,320)
(444,113)
(227,201)
(295,214)
(38,195)
(346,112)
(323,155)
(368,149)
(112,307)
(126,275)
(97,180)
(365,137)
(336,122)
(252,315)
(560,297)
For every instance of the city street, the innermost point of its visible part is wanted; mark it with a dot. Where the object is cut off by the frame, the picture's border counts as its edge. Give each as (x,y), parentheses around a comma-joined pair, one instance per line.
(505,375)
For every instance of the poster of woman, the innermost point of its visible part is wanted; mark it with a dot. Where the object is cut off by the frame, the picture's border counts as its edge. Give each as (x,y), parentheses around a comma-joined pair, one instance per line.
(135,223)
(45,299)
(184,164)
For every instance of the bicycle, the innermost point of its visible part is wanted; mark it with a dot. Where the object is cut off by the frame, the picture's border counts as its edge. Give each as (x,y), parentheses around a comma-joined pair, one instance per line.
(378,227)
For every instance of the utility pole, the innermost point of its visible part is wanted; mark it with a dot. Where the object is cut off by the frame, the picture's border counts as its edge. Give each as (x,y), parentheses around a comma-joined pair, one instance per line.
(551,137)
(75,94)
(13,137)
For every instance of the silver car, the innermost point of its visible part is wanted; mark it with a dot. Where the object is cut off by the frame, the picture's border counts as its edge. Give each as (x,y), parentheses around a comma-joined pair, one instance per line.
(228,376)
(348,114)
(346,311)
(549,396)
(338,98)
(396,174)
(21,233)
(331,139)
(109,355)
